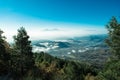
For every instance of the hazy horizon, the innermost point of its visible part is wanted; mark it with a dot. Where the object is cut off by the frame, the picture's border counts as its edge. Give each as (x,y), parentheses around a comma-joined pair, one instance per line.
(57,31)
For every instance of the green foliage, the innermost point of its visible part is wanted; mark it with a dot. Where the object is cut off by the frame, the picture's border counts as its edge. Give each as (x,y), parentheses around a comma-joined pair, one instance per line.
(112,67)
(22,57)
(111,71)
(113,40)
(4,55)
(62,69)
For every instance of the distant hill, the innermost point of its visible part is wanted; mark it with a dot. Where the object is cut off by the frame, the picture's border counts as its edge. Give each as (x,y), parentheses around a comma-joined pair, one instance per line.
(87,48)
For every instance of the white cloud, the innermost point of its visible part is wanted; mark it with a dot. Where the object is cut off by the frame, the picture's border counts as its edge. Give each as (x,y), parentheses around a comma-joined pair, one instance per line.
(38,29)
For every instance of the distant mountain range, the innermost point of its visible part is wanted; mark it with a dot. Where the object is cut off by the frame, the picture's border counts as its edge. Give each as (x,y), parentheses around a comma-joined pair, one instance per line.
(87,48)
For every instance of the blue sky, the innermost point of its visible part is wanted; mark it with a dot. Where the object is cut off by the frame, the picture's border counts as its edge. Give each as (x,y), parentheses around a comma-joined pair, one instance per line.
(59,15)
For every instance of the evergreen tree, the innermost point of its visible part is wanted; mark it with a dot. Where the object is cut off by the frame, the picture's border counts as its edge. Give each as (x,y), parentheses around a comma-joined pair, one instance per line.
(4,56)
(112,67)
(23,49)
(113,40)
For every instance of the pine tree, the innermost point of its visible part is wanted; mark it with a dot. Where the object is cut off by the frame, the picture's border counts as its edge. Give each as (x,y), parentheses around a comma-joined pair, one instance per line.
(111,70)
(23,49)
(4,55)
(113,40)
